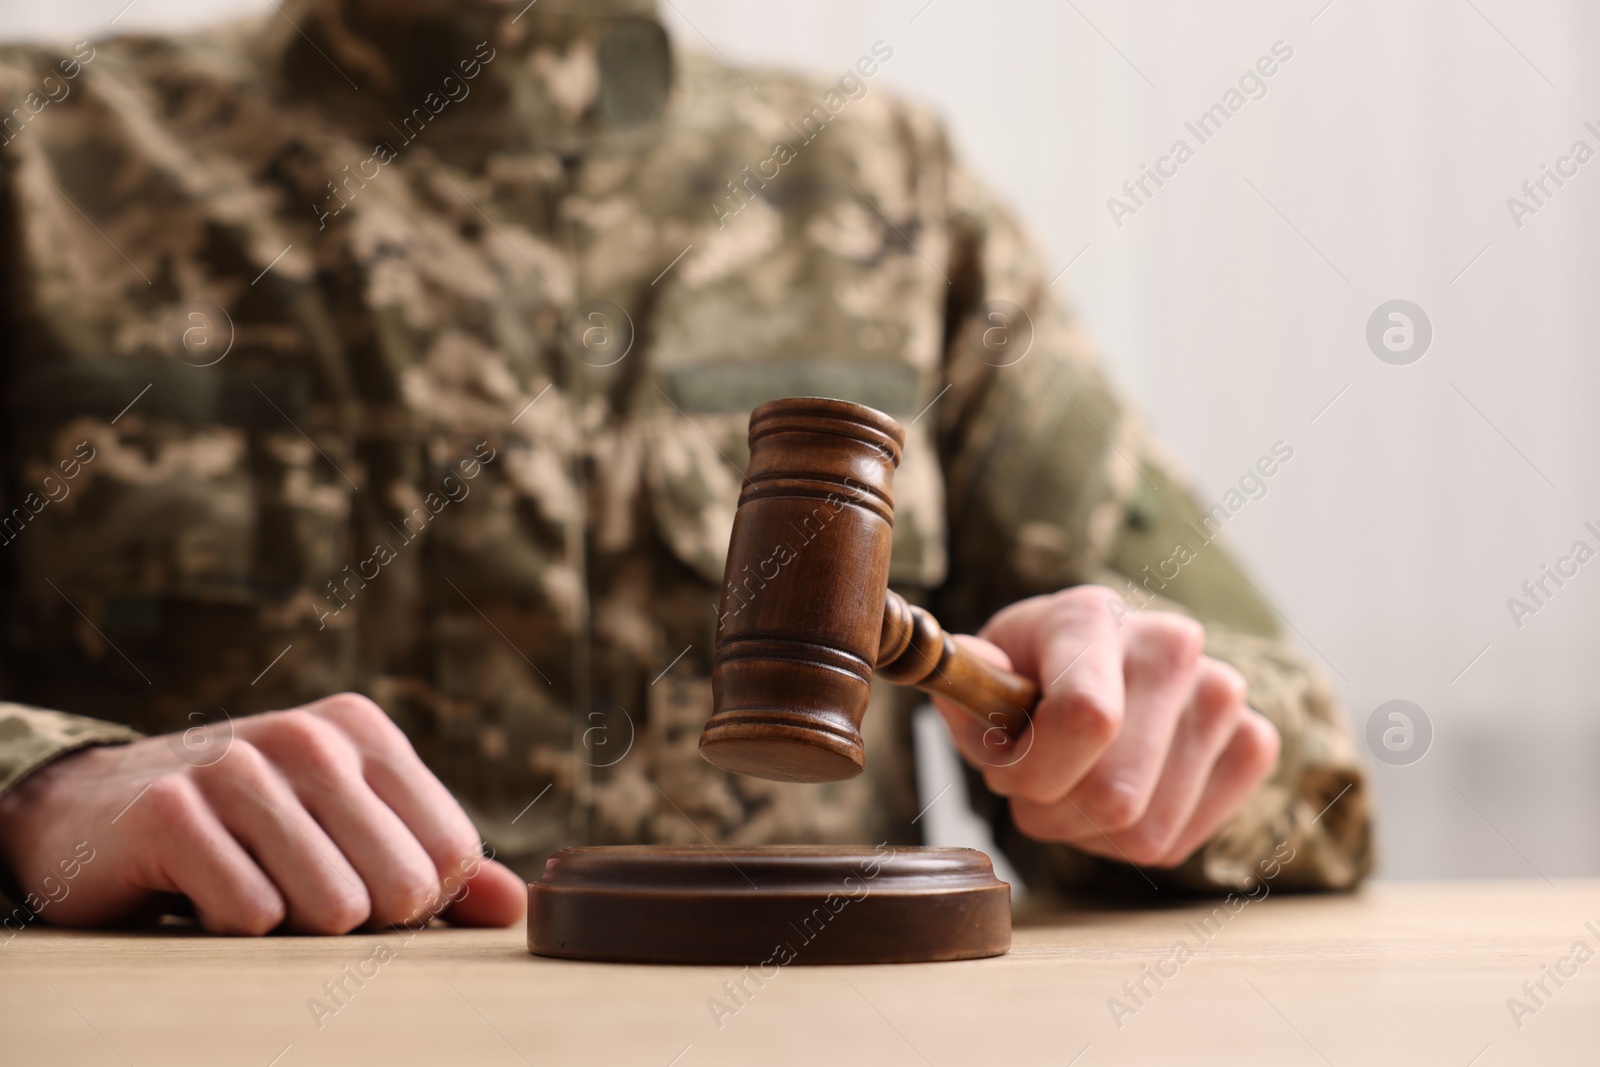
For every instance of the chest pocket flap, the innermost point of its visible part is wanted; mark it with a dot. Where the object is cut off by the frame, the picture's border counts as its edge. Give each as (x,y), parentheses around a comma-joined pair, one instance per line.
(697,452)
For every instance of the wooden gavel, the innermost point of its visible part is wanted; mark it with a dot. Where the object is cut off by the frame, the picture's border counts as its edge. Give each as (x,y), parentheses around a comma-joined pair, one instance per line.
(807,614)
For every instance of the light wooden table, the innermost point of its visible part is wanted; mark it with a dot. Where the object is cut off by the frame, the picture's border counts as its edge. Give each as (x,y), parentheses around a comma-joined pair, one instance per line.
(1401,974)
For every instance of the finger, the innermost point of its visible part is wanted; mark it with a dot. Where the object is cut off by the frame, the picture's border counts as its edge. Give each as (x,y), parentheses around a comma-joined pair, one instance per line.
(323,892)
(976,740)
(428,810)
(1071,644)
(191,853)
(324,770)
(492,896)
(1161,665)
(403,782)
(1204,728)
(1250,756)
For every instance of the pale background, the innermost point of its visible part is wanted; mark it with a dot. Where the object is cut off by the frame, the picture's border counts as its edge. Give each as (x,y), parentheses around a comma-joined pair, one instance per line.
(1234,306)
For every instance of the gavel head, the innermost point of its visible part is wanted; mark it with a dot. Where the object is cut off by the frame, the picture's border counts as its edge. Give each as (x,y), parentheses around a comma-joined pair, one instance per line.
(803,593)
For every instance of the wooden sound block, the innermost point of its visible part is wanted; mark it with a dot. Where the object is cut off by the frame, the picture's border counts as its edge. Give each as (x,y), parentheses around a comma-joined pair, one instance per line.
(769,906)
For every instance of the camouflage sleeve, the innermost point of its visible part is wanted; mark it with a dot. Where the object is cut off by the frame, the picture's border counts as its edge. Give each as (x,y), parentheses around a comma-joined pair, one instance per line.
(32,737)
(1053,482)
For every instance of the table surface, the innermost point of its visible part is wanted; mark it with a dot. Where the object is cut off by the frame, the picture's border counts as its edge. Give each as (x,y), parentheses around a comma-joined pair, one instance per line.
(1405,974)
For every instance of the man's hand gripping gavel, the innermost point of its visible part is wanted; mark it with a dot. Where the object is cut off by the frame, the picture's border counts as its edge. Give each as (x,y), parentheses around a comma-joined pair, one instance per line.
(1107,729)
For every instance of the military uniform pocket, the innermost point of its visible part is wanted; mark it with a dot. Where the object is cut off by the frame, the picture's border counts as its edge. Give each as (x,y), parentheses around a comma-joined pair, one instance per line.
(694,472)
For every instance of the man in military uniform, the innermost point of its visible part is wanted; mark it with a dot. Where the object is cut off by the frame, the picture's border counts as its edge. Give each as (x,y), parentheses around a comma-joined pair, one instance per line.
(376,378)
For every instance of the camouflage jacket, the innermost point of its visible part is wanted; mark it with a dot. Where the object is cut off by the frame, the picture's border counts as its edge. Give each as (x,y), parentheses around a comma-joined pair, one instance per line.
(412,355)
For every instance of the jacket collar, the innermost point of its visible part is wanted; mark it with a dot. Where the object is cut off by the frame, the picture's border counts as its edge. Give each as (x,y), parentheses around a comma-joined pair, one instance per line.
(553,75)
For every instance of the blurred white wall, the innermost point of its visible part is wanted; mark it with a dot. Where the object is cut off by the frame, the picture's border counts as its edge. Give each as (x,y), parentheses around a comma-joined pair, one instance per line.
(1235,302)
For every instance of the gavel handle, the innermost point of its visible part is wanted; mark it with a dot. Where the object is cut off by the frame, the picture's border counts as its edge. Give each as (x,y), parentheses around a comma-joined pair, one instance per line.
(915,650)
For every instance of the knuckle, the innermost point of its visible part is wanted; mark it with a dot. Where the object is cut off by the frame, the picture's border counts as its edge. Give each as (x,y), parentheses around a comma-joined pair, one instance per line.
(454,882)
(1224,683)
(1172,642)
(350,909)
(415,899)
(1259,743)
(467,849)
(245,767)
(298,726)
(343,909)
(244,761)
(254,918)
(1035,820)
(1148,843)
(1000,781)
(1163,860)
(1092,716)
(1141,853)
(1036,789)
(353,707)
(363,719)
(1215,720)
(1219,703)
(1115,804)
(1082,603)
(174,801)
(1174,857)
(312,744)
